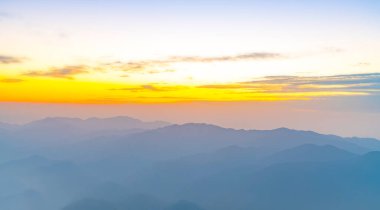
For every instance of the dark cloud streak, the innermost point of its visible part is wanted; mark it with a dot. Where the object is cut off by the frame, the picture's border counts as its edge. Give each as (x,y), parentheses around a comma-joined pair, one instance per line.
(147,87)
(10,59)
(240,57)
(160,65)
(354,83)
(67,72)
(11,80)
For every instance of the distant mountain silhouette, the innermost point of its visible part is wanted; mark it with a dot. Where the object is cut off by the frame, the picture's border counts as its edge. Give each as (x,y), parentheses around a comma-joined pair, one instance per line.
(4,126)
(113,123)
(26,163)
(181,140)
(90,204)
(347,184)
(123,163)
(137,202)
(141,202)
(131,134)
(28,200)
(59,131)
(179,173)
(311,153)
(184,205)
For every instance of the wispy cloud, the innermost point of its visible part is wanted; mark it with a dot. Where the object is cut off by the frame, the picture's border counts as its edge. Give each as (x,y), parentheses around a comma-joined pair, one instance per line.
(161,65)
(11,80)
(247,56)
(67,72)
(4,59)
(354,84)
(144,66)
(152,66)
(4,15)
(334,50)
(148,88)
(348,79)
(362,64)
(266,88)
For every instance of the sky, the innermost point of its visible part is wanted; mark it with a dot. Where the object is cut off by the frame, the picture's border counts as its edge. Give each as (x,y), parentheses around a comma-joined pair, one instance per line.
(236,63)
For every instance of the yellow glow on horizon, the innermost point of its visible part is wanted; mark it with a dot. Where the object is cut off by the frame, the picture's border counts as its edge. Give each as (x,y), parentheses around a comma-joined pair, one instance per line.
(60,90)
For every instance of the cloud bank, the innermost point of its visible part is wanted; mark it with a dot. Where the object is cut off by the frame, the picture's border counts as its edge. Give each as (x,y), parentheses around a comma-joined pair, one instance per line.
(351,83)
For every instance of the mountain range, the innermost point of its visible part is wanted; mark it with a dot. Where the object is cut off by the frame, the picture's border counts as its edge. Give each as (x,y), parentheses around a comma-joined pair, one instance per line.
(123,163)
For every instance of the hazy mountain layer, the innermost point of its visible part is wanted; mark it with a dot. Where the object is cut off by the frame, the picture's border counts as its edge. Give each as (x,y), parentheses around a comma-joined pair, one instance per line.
(126,164)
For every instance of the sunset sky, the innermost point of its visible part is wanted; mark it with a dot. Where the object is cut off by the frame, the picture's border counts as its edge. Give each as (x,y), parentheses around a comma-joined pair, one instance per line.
(248,61)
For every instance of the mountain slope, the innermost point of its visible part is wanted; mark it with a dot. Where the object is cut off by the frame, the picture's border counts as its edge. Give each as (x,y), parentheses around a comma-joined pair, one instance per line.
(348,184)
(310,153)
(181,140)
(50,133)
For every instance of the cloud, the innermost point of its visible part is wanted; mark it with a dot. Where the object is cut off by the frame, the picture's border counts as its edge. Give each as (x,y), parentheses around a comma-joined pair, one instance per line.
(334,50)
(344,79)
(360,84)
(11,80)
(145,66)
(9,59)
(67,72)
(161,65)
(160,71)
(266,88)
(240,57)
(362,64)
(142,67)
(148,88)
(348,79)
(4,15)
